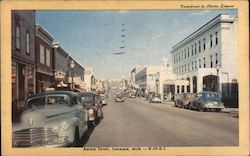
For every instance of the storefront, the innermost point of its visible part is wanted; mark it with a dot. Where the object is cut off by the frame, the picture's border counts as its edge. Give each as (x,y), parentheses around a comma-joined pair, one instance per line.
(23,83)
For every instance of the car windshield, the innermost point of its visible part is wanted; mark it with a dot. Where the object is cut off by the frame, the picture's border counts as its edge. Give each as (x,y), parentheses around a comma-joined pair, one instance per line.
(103,97)
(48,100)
(157,95)
(190,95)
(87,99)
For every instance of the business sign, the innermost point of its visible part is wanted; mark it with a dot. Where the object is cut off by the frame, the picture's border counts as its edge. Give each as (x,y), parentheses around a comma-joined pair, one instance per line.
(60,75)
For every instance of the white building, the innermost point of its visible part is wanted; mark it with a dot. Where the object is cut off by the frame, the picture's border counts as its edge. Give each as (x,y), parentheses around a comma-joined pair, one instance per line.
(208,56)
(89,79)
(151,78)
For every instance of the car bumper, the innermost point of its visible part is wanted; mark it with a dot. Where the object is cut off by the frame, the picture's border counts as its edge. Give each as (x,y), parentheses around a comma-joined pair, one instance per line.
(214,107)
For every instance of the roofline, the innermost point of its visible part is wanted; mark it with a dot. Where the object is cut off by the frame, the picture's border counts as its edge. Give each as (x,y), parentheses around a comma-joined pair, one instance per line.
(199,29)
(57,45)
(45,31)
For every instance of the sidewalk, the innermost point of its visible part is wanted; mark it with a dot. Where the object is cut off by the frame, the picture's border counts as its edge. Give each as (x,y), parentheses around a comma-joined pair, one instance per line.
(230,110)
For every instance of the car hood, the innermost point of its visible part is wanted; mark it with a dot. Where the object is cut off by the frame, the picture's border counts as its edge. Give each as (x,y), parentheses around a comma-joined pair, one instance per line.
(90,106)
(43,116)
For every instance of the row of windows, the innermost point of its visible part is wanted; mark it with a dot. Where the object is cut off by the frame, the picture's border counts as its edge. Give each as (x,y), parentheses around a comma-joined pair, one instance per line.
(44,55)
(18,39)
(200,64)
(187,52)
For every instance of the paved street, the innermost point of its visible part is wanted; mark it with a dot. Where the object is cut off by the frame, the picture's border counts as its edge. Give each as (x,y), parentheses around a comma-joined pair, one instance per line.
(139,123)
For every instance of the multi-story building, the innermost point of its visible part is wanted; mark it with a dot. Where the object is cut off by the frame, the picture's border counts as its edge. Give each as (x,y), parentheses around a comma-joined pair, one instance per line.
(23,57)
(44,74)
(133,73)
(60,66)
(89,78)
(207,58)
(77,72)
(150,79)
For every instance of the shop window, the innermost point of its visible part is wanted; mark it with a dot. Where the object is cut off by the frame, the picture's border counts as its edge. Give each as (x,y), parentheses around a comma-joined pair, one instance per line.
(188,86)
(182,89)
(194,84)
(30,78)
(14,81)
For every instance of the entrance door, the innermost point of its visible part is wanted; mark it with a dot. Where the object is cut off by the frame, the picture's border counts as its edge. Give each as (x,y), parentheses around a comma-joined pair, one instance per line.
(169,91)
(209,83)
(21,85)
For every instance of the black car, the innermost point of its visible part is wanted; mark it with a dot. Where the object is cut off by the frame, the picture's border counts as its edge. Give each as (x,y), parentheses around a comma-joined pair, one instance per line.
(91,101)
(119,98)
(206,101)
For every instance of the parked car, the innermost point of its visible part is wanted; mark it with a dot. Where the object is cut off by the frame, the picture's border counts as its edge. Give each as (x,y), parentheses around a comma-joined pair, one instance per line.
(119,98)
(91,101)
(206,101)
(184,100)
(131,95)
(104,99)
(155,98)
(177,99)
(53,119)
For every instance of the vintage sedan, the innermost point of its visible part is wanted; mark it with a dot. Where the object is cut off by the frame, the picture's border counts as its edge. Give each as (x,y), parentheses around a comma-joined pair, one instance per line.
(119,98)
(92,102)
(53,119)
(104,99)
(207,101)
(184,100)
(155,98)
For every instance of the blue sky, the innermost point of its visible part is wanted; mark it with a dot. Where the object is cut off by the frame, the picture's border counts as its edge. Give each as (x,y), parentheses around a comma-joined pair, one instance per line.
(92,37)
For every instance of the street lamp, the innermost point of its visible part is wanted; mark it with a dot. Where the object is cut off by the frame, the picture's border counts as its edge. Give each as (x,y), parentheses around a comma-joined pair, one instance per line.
(72,65)
(218,83)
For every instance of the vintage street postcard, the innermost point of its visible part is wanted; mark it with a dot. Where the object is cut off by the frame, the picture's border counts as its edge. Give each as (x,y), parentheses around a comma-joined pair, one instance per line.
(128,77)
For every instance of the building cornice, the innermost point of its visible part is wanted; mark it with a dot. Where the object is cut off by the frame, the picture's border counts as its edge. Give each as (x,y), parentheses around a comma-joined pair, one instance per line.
(204,28)
(60,50)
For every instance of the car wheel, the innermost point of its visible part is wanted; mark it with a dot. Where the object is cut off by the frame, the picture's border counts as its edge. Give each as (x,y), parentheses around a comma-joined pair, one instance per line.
(200,109)
(189,107)
(218,110)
